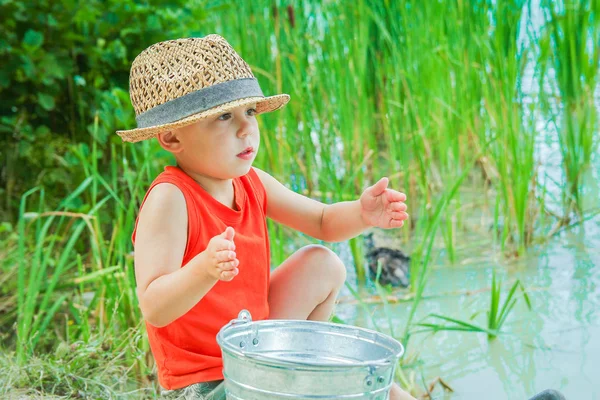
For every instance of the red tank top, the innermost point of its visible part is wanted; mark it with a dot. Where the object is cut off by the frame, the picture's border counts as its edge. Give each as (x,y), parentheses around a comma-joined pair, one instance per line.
(186,350)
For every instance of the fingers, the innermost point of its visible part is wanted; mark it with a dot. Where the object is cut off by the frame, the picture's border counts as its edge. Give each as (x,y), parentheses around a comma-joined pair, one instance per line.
(219,244)
(222,251)
(397,206)
(226,260)
(228,265)
(225,255)
(399,216)
(228,270)
(397,211)
(228,233)
(379,187)
(228,275)
(395,223)
(224,241)
(393,196)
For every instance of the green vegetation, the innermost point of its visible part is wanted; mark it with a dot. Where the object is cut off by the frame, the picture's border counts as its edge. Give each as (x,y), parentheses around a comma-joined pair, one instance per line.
(430,94)
(569,49)
(497,313)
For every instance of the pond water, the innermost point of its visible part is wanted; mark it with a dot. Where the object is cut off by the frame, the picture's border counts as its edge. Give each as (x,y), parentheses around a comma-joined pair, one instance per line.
(556,345)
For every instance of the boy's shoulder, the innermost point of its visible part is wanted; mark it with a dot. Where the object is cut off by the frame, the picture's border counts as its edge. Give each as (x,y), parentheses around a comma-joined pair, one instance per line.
(163,210)
(164,194)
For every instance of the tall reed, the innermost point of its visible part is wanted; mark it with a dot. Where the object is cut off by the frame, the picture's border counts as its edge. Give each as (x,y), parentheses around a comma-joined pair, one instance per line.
(569,48)
(399,89)
(512,153)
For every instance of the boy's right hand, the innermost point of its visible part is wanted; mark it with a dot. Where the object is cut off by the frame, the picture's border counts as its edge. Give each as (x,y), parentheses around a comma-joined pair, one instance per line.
(220,253)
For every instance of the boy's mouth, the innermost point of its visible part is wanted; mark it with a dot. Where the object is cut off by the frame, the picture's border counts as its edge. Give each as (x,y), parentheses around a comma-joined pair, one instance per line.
(246,153)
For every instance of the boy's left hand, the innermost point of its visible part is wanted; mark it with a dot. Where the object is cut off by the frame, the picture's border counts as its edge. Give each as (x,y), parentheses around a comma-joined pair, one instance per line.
(383,207)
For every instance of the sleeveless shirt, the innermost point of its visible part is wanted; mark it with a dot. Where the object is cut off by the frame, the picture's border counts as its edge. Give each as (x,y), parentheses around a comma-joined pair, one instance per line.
(186,350)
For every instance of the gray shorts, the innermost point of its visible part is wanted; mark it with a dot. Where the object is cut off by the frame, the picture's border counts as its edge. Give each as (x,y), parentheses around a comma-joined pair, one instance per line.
(214,390)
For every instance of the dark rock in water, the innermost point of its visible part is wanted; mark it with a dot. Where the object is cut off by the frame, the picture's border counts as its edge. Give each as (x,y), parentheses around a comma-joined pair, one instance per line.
(394,264)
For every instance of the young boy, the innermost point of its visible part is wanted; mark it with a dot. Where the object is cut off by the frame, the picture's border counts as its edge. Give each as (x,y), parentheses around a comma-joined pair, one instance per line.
(201,243)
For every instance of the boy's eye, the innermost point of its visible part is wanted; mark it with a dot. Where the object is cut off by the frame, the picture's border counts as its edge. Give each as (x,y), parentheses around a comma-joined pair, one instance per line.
(225,117)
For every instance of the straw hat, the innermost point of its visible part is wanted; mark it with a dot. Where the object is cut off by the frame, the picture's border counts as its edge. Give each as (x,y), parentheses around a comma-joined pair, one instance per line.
(178,82)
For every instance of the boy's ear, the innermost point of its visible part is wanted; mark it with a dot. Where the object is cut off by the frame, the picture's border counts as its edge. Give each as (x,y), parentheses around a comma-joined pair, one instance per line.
(169,141)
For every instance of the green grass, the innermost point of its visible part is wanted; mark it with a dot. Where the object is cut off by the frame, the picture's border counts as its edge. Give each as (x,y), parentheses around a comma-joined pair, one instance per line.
(82,249)
(91,369)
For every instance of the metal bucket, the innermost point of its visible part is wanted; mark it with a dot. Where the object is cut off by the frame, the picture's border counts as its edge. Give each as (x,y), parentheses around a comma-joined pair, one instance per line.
(289,359)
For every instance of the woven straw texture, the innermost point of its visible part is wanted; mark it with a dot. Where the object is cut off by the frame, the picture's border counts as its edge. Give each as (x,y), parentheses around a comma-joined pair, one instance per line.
(171,69)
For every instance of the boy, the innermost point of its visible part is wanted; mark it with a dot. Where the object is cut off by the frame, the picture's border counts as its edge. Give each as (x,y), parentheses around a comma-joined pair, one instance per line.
(201,243)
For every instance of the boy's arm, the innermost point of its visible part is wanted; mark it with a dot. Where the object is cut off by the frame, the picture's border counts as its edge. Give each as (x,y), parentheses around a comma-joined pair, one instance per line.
(335,222)
(165,290)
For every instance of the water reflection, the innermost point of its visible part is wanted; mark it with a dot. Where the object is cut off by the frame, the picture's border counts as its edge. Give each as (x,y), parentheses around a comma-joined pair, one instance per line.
(557,345)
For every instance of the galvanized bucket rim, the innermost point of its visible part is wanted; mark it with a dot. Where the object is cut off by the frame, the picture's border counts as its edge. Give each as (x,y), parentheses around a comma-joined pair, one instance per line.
(297,364)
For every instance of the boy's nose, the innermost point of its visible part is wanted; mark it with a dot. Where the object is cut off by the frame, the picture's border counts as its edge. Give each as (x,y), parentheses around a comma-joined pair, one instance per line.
(245,127)
(244,131)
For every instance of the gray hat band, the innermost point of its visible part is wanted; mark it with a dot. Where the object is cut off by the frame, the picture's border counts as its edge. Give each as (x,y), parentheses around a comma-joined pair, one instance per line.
(198,101)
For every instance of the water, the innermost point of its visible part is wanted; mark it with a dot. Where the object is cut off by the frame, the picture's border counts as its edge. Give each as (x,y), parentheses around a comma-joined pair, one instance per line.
(556,345)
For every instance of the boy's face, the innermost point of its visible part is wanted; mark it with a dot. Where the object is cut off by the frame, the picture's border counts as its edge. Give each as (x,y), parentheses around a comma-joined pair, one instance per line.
(223,146)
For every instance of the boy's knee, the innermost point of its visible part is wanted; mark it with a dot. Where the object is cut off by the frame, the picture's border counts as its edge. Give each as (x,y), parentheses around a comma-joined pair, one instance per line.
(327,263)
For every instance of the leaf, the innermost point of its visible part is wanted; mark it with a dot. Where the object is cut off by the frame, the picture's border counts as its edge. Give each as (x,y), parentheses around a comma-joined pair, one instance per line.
(52,21)
(33,40)
(46,101)
(508,304)
(79,80)
(52,68)
(65,203)
(525,295)
(28,66)
(41,131)
(459,325)
(458,322)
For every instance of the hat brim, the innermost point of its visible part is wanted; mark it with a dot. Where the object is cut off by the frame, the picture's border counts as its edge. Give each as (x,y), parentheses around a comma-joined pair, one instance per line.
(263,105)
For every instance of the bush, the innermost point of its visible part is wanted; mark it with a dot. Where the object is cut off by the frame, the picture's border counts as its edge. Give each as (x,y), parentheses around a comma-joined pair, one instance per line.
(64,64)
